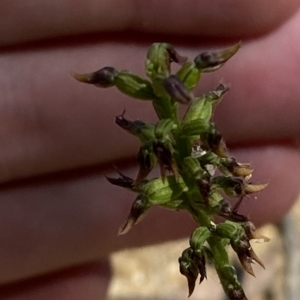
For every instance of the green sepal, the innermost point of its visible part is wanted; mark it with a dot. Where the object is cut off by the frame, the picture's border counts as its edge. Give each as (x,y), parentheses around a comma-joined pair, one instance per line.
(191,167)
(159,58)
(228,230)
(189,75)
(195,127)
(209,158)
(164,107)
(163,128)
(158,61)
(159,191)
(134,86)
(202,107)
(145,133)
(215,198)
(199,237)
(176,204)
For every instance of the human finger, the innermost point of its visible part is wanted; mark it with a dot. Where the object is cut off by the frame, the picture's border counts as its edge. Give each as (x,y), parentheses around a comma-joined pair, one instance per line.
(89,282)
(46,225)
(23,21)
(50,123)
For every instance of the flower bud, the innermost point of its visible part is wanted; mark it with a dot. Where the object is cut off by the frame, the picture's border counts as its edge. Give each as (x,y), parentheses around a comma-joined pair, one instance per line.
(138,210)
(198,109)
(159,58)
(191,167)
(187,254)
(199,237)
(213,60)
(228,230)
(189,75)
(134,86)
(160,192)
(163,128)
(202,107)
(188,268)
(104,77)
(177,90)
(195,127)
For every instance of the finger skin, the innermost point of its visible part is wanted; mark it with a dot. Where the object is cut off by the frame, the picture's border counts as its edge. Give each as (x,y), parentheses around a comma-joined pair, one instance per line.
(50,124)
(264,88)
(56,224)
(23,21)
(45,114)
(88,282)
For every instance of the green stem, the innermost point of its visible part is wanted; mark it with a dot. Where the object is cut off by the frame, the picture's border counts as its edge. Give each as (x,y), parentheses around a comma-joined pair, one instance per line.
(226,272)
(165,108)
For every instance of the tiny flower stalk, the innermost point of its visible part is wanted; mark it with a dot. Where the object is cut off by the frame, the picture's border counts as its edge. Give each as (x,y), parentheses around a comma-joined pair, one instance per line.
(188,153)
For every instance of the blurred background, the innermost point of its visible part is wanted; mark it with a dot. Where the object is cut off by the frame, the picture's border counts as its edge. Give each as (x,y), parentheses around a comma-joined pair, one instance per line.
(152,273)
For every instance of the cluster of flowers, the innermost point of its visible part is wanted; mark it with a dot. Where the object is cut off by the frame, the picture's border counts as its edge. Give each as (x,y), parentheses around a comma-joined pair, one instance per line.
(188,152)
